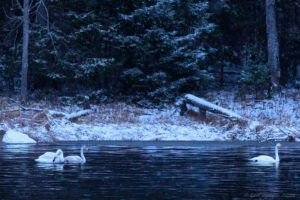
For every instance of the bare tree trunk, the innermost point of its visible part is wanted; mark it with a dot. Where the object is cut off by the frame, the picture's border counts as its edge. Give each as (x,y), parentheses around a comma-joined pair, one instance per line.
(273,44)
(25,51)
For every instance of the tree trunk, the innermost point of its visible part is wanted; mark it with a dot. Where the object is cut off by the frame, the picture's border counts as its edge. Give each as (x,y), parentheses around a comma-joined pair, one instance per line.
(273,44)
(25,51)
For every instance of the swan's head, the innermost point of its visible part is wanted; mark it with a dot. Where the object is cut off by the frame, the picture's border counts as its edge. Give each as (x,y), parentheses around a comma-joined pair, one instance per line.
(278,145)
(58,156)
(59,152)
(84,148)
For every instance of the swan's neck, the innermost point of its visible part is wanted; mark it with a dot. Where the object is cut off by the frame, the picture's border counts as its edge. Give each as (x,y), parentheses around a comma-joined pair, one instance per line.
(276,154)
(59,159)
(62,159)
(82,155)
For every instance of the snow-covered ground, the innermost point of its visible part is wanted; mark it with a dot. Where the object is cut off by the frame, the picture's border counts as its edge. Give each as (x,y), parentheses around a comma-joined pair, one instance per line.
(278,118)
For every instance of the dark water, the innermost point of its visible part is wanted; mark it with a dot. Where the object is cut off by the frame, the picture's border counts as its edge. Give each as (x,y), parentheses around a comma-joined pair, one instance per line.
(151,170)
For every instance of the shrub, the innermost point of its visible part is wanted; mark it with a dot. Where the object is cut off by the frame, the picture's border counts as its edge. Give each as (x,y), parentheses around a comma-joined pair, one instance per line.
(255,79)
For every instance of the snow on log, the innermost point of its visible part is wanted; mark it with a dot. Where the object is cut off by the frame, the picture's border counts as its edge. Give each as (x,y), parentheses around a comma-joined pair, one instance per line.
(207,106)
(12,136)
(78,114)
(72,116)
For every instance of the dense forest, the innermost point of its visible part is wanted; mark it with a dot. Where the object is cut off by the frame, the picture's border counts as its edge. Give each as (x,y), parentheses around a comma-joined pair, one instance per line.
(147,51)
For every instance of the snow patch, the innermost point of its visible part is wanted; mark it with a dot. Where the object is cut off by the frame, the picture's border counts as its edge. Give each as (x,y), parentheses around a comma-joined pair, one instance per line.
(12,136)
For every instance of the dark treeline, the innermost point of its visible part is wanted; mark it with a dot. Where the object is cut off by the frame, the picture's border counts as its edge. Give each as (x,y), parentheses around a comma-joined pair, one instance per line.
(147,50)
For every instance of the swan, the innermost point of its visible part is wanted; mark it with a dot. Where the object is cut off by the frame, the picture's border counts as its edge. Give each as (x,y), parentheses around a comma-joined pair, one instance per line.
(76,159)
(71,159)
(48,157)
(268,159)
(58,157)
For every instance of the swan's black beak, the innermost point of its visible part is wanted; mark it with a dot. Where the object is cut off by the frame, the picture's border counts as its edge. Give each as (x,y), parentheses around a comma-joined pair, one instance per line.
(53,159)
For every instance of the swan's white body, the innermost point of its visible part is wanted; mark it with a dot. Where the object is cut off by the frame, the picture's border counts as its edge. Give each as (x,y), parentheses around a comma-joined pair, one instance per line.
(76,159)
(264,158)
(71,159)
(268,159)
(48,157)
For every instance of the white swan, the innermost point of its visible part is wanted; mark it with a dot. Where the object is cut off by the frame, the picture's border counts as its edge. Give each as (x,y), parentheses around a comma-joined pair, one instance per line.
(76,159)
(48,157)
(70,159)
(268,159)
(58,157)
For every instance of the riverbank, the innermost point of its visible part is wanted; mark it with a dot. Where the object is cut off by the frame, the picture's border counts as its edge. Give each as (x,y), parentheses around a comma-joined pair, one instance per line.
(44,121)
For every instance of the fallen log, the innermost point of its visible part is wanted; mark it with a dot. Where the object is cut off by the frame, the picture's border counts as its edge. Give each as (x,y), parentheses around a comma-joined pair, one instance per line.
(26,108)
(72,116)
(204,106)
(76,115)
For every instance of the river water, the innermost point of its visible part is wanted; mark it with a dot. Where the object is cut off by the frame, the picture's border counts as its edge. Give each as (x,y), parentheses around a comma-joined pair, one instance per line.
(151,170)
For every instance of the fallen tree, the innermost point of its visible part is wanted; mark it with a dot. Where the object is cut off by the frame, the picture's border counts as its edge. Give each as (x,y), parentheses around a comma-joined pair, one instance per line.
(204,106)
(72,116)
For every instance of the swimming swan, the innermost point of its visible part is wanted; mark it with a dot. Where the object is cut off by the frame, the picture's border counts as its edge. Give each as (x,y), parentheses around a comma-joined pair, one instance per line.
(71,159)
(58,157)
(48,157)
(268,159)
(76,159)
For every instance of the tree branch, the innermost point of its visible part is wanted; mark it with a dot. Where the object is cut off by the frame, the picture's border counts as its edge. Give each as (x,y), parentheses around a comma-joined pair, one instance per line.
(42,3)
(19,5)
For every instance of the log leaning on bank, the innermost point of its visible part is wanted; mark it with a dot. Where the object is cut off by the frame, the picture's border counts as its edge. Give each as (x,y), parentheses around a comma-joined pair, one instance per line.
(204,106)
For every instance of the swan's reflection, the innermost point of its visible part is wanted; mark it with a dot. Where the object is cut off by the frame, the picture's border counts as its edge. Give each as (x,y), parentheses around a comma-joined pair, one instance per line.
(51,166)
(60,166)
(264,164)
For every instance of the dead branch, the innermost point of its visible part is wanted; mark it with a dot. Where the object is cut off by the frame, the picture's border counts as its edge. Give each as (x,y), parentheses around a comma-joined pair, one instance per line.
(26,108)
(8,111)
(288,132)
(19,5)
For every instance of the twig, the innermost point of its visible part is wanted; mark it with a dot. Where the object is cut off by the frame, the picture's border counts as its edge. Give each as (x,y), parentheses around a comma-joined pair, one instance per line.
(14,110)
(17,31)
(19,5)
(288,132)
(26,108)
(31,3)
(48,25)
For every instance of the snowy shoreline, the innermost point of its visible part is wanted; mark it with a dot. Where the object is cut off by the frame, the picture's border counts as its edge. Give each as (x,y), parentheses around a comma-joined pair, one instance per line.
(148,132)
(276,119)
